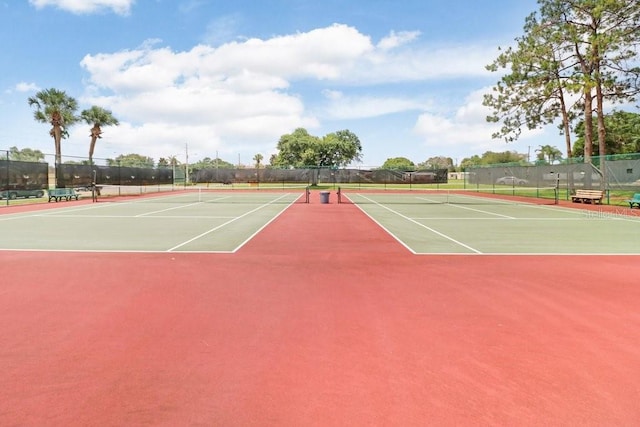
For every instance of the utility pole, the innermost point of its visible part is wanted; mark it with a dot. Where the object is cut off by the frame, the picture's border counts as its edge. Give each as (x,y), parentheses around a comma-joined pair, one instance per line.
(186,163)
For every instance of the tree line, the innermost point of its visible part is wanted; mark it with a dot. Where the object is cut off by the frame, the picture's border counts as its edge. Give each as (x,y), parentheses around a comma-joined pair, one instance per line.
(297,150)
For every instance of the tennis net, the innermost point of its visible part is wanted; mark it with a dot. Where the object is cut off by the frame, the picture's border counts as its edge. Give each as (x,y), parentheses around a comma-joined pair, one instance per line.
(195,194)
(478,196)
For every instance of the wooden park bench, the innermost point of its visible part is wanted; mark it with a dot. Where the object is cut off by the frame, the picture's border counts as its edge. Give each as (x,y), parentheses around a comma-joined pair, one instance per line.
(58,194)
(634,201)
(588,196)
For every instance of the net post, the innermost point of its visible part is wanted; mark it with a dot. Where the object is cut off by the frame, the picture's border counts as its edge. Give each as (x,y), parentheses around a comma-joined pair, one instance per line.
(339,193)
(94,192)
(556,189)
(307,193)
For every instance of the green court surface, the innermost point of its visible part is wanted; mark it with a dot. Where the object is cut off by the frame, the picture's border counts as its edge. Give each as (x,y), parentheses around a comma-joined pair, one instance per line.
(223,221)
(462,224)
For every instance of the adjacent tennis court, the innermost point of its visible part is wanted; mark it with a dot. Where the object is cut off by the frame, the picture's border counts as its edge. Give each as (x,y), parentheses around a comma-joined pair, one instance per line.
(468,222)
(256,308)
(185,221)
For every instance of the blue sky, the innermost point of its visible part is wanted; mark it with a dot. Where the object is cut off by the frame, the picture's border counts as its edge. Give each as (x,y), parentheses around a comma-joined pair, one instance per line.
(230,78)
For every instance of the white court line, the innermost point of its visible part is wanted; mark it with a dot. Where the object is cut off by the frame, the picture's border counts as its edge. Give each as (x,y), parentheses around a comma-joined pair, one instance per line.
(540,254)
(11,217)
(49,212)
(396,238)
(451,218)
(104,205)
(248,239)
(147,217)
(458,254)
(225,224)
(618,214)
(468,208)
(416,223)
(167,209)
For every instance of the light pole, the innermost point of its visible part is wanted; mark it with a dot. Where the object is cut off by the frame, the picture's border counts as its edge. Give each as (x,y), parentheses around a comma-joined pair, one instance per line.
(186,164)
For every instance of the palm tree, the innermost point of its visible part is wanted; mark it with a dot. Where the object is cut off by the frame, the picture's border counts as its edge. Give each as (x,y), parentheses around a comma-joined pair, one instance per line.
(98,117)
(548,154)
(57,108)
(258,158)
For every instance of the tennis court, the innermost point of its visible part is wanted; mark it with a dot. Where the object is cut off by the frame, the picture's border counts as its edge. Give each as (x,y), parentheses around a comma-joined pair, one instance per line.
(184,221)
(468,222)
(255,308)
(425,222)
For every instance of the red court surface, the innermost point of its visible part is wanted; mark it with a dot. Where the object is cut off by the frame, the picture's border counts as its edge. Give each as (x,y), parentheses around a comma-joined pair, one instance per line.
(322,320)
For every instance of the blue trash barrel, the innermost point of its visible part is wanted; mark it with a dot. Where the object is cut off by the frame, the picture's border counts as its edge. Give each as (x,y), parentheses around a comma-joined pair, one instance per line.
(324,197)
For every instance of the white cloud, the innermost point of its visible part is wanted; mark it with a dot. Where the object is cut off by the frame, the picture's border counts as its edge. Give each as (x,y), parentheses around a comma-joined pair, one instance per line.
(341,107)
(394,39)
(465,128)
(323,54)
(245,93)
(333,95)
(423,63)
(26,87)
(191,5)
(222,29)
(121,7)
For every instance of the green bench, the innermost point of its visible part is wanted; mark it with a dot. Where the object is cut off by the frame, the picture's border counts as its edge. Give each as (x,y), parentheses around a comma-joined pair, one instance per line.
(587,196)
(634,201)
(58,194)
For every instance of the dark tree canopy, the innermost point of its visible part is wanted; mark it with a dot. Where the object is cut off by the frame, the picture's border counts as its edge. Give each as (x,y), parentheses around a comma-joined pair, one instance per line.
(301,149)
(399,163)
(438,162)
(133,160)
(493,158)
(206,163)
(25,155)
(623,134)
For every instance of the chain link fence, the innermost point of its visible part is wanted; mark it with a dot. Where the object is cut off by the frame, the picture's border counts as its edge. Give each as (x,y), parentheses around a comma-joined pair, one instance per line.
(22,179)
(317,176)
(617,175)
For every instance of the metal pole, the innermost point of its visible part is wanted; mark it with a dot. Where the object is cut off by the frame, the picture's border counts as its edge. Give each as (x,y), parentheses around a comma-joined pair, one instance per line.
(7,195)
(94,194)
(556,190)
(186,164)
